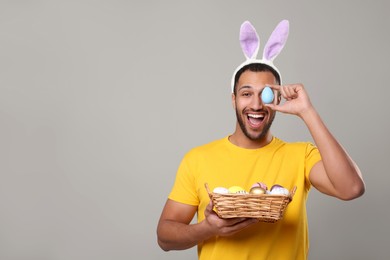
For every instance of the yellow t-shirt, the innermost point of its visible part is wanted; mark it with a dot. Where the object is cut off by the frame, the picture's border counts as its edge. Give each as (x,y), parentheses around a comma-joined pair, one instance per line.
(222,164)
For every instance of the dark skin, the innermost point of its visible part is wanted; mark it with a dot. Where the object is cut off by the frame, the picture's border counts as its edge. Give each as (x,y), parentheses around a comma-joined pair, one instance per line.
(178,234)
(336,174)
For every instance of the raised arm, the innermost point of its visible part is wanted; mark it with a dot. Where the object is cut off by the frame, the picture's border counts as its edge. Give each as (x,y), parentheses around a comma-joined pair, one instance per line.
(336,174)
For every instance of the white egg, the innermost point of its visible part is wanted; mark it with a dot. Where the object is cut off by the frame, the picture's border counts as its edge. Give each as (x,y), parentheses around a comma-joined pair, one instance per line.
(221,190)
(279,191)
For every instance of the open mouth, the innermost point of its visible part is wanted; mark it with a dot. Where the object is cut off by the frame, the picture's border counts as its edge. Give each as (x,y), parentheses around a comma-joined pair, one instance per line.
(255,120)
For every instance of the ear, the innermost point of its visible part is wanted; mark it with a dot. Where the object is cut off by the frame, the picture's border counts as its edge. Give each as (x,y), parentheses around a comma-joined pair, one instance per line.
(234,101)
(279,98)
(249,40)
(276,41)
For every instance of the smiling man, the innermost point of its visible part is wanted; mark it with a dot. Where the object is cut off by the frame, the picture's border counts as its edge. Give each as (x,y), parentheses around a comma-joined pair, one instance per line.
(252,154)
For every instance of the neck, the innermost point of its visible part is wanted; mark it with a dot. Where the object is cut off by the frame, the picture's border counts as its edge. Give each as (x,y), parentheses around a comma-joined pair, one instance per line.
(239,139)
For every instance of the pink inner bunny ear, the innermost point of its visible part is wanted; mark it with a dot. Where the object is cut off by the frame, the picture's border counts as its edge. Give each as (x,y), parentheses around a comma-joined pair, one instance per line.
(276,41)
(249,40)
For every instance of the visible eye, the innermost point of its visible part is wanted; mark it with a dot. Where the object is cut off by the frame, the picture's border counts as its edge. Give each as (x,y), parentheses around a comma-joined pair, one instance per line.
(246,94)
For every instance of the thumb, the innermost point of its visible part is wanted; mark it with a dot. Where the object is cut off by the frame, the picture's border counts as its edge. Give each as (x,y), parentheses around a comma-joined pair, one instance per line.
(278,107)
(273,106)
(210,206)
(209,209)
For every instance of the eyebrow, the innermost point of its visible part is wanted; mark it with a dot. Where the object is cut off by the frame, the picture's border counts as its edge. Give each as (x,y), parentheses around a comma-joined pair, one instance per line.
(245,86)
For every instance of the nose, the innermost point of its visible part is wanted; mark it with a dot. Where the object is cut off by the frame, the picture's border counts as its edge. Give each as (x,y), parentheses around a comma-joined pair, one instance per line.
(257,103)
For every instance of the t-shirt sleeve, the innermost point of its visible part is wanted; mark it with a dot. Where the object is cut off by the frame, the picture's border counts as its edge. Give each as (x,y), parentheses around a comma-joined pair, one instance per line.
(312,157)
(184,188)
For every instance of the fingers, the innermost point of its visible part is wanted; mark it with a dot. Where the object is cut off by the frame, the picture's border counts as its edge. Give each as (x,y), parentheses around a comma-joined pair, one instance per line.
(296,99)
(234,221)
(288,92)
(225,226)
(274,87)
(236,225)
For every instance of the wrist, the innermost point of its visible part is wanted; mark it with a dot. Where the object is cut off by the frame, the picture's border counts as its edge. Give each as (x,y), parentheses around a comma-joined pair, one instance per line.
(308,114)
(206,229)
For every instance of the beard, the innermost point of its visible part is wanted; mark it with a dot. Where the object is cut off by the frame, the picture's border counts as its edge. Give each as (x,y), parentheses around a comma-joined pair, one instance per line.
(254,137)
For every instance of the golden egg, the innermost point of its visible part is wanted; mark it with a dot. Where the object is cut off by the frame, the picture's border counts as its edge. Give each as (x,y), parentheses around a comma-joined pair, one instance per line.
(257,190)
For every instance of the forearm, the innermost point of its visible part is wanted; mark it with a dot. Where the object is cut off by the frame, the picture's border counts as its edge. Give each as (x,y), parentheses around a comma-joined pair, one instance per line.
(342,172)
(178,236)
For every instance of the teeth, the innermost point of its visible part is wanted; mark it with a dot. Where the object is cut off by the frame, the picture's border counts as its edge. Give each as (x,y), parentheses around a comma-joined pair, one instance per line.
(255,116)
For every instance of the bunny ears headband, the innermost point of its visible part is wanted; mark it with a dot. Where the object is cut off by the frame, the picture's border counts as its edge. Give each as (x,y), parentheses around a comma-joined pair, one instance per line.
(250,43)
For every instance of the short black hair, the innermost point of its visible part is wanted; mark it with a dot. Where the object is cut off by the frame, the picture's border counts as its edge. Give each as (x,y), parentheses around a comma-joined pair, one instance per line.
(255,67)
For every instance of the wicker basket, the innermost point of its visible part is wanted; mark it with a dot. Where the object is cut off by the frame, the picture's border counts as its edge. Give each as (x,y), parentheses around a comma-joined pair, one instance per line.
(265,207)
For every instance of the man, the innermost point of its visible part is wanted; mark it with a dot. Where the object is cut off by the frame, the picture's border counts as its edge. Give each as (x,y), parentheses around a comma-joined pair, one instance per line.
(252,154)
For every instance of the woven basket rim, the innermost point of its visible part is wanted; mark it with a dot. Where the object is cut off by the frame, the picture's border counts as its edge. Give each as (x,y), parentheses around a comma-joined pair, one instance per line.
(241,195)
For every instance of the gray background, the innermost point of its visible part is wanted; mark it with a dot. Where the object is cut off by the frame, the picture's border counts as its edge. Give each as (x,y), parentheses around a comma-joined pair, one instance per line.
(99,101)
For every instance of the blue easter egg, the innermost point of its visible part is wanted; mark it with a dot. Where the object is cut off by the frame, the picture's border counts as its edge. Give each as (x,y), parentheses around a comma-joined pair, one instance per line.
(267,95)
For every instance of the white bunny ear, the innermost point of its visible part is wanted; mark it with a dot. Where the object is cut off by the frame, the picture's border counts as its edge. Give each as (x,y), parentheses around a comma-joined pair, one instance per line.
(276,41)
(249,40)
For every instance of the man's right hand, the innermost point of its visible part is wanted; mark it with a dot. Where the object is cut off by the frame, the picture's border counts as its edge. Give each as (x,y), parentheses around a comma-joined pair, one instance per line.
(225,227)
